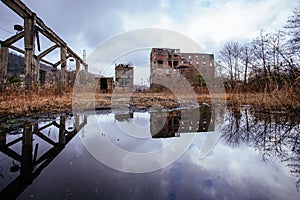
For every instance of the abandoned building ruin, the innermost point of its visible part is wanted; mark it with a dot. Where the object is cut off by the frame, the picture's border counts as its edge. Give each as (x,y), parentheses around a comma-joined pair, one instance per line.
(166,64)
(123,80)
(105,84)
(124,77)
(171,64)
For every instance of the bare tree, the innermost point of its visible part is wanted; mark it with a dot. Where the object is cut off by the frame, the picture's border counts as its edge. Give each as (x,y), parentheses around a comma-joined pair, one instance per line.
(236,49)
(260,51)
(293,27)
(246,57)
(230,60)
(226,57)
(292,58)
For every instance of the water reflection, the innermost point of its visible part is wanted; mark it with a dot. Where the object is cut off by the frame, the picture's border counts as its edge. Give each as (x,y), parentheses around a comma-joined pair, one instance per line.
(233,170)
(31,149)
(275,136)
(124,116)
(172,124)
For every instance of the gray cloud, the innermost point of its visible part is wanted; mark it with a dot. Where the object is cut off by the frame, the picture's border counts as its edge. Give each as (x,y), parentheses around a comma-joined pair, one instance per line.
(85,24)
(93,20)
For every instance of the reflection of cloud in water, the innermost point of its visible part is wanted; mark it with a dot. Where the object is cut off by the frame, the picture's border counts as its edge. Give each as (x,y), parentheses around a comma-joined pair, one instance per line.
(104,142)
(244,173)
(128,136)
(227,173)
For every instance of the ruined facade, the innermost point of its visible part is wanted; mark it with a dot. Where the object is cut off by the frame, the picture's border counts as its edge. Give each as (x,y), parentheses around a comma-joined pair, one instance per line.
(104,84)
(175,122)
(171,63)
(124,77)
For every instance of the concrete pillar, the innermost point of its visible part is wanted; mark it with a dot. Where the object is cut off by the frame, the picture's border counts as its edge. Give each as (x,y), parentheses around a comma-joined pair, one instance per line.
(2,138)
(76,122)
(62,128)
(29,36)
(3,66)
(27,163)
(63,65)
(77,66)
(54,76)
(36,71)
(85,119)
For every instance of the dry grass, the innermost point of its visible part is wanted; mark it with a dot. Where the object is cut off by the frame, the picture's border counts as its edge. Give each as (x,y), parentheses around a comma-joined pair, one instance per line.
(21,102)
(278,100)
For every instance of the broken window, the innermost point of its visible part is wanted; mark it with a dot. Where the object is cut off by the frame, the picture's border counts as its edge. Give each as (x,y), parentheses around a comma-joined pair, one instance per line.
(175,63)
(160,62)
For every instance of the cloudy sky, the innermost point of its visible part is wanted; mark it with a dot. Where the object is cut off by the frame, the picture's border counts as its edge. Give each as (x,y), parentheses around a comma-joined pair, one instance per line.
(86,24)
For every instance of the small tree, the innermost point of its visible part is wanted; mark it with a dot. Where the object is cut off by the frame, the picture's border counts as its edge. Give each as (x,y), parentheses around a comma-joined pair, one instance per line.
(199,80)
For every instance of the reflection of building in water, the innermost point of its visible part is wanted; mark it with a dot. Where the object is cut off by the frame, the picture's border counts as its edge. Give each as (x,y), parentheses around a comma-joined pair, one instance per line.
(30,159)
(124,116)
(173,123)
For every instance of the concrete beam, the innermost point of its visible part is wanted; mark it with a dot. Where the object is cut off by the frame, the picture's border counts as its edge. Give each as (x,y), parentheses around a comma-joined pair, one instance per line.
(44,53)
(23,52)
(74,55)
(32,23)
(51,36)
(18,7)
(12,39)
(77,66)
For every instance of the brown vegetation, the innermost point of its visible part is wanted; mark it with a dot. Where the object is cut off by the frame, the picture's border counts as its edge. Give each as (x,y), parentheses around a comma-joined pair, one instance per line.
(20,102)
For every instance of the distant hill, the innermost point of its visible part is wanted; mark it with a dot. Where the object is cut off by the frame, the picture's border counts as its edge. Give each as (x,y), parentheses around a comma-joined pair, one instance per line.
(16,65)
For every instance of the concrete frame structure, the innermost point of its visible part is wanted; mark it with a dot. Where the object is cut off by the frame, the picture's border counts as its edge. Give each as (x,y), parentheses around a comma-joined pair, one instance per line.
(33,26)
(171,63)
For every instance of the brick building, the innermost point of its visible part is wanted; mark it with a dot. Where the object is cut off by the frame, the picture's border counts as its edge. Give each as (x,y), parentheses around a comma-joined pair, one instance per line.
(171,63)
(124,77)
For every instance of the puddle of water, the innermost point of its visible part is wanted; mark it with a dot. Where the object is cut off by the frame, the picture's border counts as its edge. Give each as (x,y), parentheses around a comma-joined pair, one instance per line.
(200,153)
